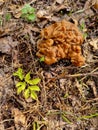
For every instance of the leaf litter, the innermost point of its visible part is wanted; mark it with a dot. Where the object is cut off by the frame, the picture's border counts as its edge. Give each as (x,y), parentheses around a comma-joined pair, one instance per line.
(68,97)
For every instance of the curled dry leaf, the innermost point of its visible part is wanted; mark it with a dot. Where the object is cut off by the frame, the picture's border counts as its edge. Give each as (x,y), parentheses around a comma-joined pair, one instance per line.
(61,40)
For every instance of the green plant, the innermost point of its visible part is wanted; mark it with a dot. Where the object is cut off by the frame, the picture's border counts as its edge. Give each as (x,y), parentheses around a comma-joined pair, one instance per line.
(42,59)
(66,95)
(36,126)
(7,16)
(27,86)
(83,28)
(28,13)
(66,119)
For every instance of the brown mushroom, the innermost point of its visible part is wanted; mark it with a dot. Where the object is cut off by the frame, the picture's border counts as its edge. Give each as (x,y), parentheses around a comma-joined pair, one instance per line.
(61,40)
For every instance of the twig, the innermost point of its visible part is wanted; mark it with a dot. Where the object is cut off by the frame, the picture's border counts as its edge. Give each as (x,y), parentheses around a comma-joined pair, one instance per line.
(74,75)
(91,100)
(6,120)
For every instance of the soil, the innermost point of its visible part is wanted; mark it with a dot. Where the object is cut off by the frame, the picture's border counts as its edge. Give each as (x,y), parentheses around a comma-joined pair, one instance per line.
(68,97)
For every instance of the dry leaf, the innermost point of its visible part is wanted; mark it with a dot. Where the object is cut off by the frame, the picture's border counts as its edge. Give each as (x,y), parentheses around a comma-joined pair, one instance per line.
(89,3)
(17,14)
(6,45)
(43,14)
(93,86)
(16,10)
(94,44)
(59,1)
(19,117)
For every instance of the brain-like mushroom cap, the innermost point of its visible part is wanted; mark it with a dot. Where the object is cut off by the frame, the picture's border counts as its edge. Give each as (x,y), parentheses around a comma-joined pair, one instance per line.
(61,40)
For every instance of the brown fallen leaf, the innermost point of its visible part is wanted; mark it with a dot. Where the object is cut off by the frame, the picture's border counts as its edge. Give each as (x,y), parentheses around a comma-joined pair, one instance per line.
(94,44)
(16,10)
(19,117)
(59,1)
(43,14)
(6,45)
(89,3)
(93,86)
(17,14)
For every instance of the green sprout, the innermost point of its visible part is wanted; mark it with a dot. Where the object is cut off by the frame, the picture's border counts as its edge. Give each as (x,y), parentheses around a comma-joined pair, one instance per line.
(83,28)
(28,13)
(42,59)
(66,95)
(27,86)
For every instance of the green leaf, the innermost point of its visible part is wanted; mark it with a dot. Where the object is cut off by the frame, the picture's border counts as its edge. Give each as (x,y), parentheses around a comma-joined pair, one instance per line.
(34,81)
(25,9)
(66,119)
(83,26)
(19,73)
(42,59)
(85,35)
(19,84)
(24,16)
(30,17)
(66,95)
(21,88)
(34,95)
(26,93)
(27,77)
(34,88)
(28,13)
(31,10)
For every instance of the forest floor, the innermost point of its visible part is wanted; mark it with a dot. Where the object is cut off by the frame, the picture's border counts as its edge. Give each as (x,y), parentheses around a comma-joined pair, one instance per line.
(68,96)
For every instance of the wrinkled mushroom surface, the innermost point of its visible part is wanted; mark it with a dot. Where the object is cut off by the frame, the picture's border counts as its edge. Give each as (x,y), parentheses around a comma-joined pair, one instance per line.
(61,40)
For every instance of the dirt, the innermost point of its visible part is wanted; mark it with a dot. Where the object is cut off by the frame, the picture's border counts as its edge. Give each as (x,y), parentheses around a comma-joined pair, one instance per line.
(68,99)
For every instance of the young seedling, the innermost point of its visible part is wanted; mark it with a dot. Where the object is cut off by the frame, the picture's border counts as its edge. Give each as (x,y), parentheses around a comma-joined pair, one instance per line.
(28,13)
(26,85)
(42,59)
